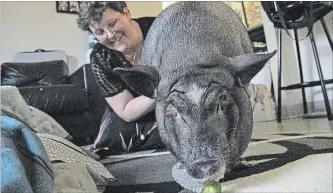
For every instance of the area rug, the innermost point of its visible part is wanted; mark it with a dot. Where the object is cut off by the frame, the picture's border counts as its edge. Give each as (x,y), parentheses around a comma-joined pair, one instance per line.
(285,162)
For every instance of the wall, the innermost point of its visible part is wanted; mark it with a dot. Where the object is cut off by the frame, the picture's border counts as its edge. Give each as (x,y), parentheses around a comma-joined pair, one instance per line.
(165,4)
(144,8)
(0,15)
(27,26)
(292,100)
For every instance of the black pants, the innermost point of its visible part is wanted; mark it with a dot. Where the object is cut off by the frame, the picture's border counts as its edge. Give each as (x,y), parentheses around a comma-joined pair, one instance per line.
(117,136)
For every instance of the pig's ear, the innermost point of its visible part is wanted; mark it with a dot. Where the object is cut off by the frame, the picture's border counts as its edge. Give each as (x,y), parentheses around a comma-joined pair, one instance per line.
(141,79)
(247,66)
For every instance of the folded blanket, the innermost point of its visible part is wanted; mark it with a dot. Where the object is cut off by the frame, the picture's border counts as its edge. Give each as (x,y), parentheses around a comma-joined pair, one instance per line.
(13,104)
(62,150)
(72,177)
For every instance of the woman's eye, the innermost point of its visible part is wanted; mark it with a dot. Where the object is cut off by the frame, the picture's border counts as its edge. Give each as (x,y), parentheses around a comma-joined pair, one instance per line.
(113,23)
(99,32)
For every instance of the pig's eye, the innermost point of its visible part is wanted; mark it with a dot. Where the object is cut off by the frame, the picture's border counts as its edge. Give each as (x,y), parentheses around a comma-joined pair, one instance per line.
(172,110)
(223,97)
(175,113)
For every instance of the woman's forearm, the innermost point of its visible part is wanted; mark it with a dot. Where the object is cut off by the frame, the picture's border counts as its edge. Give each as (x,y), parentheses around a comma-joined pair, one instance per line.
(138,107)
(129,108)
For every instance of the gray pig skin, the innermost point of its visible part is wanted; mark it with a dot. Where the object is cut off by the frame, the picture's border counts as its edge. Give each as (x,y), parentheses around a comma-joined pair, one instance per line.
(197,59)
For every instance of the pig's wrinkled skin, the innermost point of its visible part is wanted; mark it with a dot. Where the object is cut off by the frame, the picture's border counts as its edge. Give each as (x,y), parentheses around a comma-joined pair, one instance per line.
(197,59)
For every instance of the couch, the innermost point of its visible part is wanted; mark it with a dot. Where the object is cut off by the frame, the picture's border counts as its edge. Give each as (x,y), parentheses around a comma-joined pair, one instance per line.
(74,101)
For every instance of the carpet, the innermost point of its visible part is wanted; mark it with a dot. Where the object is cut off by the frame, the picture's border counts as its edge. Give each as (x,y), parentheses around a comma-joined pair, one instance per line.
(280,162)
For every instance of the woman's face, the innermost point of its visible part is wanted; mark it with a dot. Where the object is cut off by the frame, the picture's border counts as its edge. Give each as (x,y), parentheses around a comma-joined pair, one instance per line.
(115,30)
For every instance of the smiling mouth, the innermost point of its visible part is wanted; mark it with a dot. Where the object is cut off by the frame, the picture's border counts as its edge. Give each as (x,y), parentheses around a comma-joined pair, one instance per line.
(116,40)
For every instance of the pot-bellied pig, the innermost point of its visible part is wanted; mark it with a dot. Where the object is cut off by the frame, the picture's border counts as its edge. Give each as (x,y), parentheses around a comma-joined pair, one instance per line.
(196,61)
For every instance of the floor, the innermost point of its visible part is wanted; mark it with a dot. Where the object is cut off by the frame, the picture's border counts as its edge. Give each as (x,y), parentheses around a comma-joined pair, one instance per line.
(311,172)
(293,156)
(297,125)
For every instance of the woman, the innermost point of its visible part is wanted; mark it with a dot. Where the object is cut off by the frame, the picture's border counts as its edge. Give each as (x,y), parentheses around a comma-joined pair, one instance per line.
(129,123)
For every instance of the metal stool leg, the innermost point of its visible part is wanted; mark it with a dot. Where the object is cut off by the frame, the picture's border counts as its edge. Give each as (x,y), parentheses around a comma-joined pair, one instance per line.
(305,108)
(279,45)
(323,87)
(326,32)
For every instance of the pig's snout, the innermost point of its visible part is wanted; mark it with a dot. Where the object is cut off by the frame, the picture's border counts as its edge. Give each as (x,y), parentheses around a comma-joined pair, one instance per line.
(203,168)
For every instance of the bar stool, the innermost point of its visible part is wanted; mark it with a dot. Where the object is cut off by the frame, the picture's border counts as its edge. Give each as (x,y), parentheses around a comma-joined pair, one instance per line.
(286,20)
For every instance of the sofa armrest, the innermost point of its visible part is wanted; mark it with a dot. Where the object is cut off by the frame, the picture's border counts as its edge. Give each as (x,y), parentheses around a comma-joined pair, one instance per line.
(34,74)
(80,78)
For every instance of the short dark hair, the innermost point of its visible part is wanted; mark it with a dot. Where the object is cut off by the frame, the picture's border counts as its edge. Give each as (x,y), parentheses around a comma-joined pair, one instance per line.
(92,11)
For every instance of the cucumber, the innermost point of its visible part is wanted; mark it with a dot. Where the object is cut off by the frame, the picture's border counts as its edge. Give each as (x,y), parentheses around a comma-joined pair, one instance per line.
(212,187)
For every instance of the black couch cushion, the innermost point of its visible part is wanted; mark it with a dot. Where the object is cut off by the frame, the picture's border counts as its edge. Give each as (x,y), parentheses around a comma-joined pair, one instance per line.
(57,99)
(37,73)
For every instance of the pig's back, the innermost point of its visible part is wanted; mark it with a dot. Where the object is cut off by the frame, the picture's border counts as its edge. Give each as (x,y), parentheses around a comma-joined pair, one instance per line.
(189,33)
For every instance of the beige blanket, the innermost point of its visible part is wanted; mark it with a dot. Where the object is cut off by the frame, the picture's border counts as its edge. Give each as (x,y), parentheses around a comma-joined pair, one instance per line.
(72,177)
